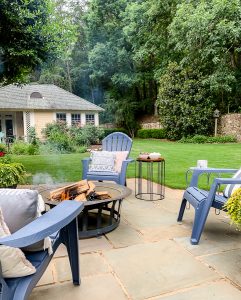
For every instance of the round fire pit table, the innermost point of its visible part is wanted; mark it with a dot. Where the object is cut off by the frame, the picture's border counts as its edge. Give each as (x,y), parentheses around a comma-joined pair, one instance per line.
(99,216)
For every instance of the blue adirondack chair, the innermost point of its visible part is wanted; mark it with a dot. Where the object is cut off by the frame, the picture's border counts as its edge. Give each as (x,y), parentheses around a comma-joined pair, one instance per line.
(203,200)
(61,224)
(116,141)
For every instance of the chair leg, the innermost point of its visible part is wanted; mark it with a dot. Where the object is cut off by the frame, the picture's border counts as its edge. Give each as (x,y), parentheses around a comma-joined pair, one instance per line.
(182,209)
(72,245)
(201,213)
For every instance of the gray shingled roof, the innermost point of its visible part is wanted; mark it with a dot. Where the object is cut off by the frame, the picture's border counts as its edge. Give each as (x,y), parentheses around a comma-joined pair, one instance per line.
(54,98)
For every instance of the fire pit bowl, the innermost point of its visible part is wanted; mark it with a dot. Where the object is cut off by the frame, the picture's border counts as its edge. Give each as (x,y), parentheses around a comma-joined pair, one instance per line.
(98,216)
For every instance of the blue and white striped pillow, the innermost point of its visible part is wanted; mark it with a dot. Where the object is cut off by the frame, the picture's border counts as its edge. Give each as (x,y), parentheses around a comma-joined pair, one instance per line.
(230,188)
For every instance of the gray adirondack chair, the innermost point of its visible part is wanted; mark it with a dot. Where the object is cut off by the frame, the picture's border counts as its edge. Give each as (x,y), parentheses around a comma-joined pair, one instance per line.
(61,224)
(203,200)
(116,141)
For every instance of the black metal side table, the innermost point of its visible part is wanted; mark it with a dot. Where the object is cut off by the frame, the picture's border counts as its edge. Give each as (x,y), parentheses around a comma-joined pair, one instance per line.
(146,171)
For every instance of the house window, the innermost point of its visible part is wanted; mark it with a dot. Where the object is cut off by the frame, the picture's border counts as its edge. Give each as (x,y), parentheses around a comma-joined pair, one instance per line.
(90,119)
(75,119)
(36,95)
(61,117)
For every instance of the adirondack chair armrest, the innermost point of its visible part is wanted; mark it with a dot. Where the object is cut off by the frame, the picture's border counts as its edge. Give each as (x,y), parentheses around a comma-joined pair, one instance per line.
(85,167)
(219,181)
(125,164)
(47,224)
(228,180)
(199,171)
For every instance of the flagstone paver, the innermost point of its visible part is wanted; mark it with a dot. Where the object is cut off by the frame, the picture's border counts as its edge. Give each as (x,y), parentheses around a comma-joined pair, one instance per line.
(125,236)
(227,263)
(148,270)
(149,257)
(91,264)
(104,287)
(214,291)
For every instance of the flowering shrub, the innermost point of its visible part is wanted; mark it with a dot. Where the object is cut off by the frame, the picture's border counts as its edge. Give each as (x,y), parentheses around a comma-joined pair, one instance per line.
(233,207)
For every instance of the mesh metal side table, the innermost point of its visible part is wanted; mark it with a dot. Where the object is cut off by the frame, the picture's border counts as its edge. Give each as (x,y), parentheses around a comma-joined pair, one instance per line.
(146,171)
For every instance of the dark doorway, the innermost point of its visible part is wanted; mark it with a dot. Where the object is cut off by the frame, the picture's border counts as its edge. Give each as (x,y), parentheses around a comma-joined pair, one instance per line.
(9,128)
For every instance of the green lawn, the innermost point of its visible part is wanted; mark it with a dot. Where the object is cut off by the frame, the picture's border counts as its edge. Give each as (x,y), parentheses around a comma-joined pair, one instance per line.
(179,157)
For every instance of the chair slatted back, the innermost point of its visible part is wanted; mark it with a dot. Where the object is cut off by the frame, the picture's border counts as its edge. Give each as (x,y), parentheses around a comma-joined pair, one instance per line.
(117,141)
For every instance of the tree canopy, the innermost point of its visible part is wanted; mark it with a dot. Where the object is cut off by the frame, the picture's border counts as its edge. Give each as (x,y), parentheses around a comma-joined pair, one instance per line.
(178,59)
(30,33)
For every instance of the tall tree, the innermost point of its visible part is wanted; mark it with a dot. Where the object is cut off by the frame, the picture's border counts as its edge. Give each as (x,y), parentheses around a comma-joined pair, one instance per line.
(207,36)
(29,35)
(59,71)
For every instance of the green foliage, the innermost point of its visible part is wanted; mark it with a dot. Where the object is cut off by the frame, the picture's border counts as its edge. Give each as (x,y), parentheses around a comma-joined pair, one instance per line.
(63,139)
(81,149)
(32,136)
(30,33)
(58,139)
(202,139)
(87,135)
(124,51)
(108,131)
(6,159)
(3,148)
(23,148)
(233,207)
(151,133)
(59,126)
(11,174)
(207,37)
(184,105)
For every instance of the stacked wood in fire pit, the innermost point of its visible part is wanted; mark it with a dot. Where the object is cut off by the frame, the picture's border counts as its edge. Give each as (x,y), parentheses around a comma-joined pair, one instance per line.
(80,191)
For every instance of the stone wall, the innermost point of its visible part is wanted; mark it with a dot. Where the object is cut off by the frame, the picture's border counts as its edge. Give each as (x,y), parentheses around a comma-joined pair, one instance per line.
(150,122)
(230,124)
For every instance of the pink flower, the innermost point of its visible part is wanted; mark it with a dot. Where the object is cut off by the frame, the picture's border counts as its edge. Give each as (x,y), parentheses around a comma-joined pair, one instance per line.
(2,153)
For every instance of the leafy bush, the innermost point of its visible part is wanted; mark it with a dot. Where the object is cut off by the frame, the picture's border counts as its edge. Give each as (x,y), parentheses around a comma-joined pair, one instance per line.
(32,136)
(81,149)
(151,133)
(87,135)
(23,148)
(3,148)
(233,207)
(61,142)
(59,126)
(202,139)
(223,139)
(11,174)
(63,139)
(6,159)
(185,106)
(58,139)
(108,131)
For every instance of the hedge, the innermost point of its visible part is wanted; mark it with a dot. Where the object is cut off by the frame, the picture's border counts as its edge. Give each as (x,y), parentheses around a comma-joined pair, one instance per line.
(202,139)
(151,133)
(108,131)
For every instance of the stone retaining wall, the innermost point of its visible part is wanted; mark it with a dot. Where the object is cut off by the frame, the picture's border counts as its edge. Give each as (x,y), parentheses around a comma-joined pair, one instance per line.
(150,122)
(230,124)
(154,125)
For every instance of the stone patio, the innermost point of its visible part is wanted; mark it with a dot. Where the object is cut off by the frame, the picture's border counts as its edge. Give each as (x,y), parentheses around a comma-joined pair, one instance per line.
(149,256)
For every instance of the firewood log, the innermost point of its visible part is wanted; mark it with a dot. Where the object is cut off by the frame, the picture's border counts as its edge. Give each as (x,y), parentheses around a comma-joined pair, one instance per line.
(80,186)
(80,197)
(91,188)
